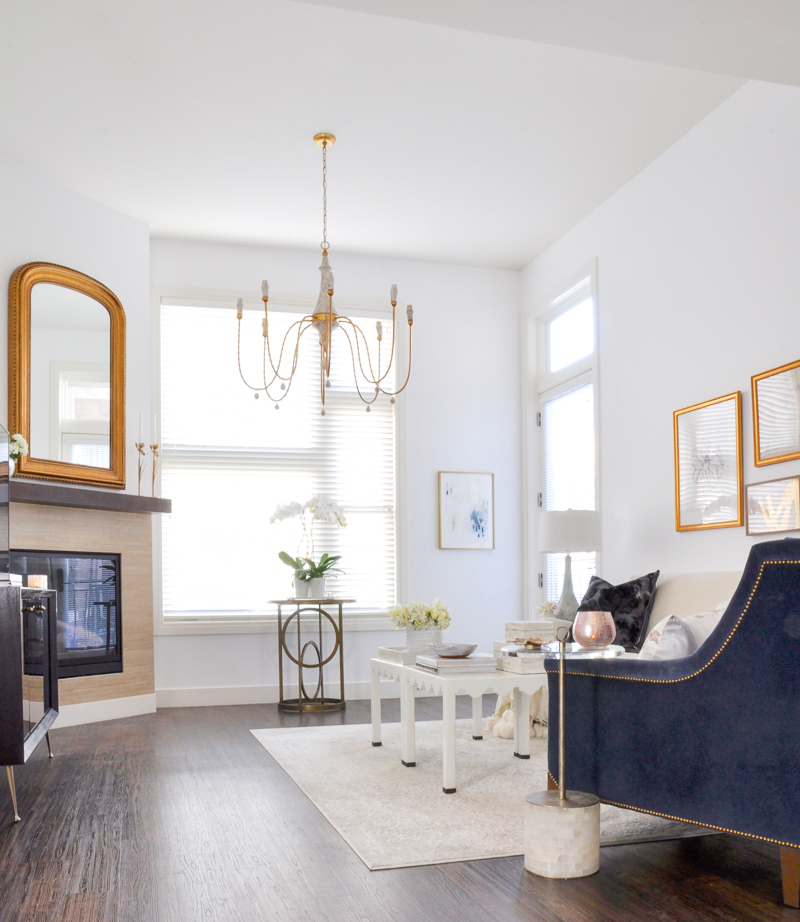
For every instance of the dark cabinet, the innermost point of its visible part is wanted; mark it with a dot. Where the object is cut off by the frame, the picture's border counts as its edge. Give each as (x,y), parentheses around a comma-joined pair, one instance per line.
(28,674)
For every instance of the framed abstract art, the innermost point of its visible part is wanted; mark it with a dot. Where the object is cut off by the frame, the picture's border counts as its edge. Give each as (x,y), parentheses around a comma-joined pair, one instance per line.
(708,464)
(466,511)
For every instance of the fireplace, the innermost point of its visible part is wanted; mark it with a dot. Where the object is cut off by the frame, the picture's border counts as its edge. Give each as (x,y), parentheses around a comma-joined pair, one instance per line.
(89,615)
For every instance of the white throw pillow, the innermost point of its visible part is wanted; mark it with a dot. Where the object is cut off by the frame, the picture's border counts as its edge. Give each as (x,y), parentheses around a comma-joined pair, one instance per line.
(674,637)
(669,639)
(702,624)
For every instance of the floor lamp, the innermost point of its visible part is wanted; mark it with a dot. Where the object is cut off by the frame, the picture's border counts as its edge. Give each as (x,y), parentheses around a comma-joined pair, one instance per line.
(570,530)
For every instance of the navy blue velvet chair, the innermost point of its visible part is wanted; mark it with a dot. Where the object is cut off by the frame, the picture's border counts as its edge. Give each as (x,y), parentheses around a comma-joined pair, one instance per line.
(713,738)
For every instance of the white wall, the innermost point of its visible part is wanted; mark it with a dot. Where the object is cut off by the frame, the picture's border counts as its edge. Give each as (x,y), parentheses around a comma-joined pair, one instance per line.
(46,222)
(699,288)
(462,412)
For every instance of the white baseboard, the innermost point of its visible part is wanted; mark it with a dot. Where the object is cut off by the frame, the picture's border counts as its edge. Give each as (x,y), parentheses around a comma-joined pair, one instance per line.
(255,694)
(89,712)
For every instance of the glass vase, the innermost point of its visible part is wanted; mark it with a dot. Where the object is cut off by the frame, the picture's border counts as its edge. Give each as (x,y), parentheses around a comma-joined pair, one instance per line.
(420,641)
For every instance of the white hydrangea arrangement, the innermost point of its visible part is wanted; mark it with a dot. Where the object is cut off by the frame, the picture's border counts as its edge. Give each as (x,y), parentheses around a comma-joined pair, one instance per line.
(17,446)
(548,609)
(419,616)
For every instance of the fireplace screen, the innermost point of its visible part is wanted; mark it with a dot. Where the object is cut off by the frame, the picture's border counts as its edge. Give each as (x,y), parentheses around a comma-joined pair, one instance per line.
(88,602)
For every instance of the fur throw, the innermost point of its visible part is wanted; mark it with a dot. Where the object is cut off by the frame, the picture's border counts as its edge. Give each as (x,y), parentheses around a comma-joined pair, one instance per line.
(501,723)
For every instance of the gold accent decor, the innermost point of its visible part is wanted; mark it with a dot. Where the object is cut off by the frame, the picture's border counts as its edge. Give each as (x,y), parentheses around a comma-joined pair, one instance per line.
(736,397)
(757,433)
(140,463)
(154,449)
(280,364)
(19,374)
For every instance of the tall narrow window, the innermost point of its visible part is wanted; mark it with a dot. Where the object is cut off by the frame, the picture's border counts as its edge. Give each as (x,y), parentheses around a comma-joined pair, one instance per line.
(566,386)
(229,460)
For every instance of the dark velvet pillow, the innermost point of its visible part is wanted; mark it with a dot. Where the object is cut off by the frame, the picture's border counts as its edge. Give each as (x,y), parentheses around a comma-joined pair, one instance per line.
(629,604)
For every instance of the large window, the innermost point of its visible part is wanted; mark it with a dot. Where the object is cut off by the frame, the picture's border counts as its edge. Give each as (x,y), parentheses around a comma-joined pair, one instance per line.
(566,417)
(229,460)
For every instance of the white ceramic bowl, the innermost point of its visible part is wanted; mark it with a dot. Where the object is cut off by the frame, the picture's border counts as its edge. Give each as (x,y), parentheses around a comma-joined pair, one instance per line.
(453,650)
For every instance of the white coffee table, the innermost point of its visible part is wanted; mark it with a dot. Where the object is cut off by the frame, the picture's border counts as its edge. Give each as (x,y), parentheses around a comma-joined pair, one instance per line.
(476,685)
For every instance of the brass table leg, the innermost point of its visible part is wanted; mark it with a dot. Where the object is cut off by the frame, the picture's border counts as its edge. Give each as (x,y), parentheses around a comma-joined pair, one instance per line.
(49,747)
(13,789)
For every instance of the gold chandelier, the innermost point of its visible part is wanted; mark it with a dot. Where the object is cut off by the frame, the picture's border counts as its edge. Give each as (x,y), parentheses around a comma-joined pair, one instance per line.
(324,321)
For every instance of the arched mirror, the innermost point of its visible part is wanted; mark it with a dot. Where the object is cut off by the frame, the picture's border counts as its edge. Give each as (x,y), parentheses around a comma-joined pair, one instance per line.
(67,375)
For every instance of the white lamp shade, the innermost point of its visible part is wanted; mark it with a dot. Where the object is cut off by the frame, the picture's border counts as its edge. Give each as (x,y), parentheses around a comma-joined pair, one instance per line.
(571,530)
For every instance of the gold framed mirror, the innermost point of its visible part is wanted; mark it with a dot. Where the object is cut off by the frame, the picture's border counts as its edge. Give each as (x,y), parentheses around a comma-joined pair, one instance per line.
(776,414)
(66,375)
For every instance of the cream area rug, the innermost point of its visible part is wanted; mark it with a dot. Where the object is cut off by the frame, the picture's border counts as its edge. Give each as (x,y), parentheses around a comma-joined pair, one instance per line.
(395,817)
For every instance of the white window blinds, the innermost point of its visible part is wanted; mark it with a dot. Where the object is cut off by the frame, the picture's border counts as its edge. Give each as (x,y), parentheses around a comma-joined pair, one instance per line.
(568,449)
(229,460)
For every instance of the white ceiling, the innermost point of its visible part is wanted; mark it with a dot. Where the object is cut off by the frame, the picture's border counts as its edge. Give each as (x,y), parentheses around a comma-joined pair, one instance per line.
(467,131)
(754,39)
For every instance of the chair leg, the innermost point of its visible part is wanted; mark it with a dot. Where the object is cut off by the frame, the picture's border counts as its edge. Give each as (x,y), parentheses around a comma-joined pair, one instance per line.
(790,873)
(49,747)
(12,787)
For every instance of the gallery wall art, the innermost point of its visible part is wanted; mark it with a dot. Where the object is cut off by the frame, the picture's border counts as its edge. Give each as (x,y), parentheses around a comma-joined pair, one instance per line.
(708,464)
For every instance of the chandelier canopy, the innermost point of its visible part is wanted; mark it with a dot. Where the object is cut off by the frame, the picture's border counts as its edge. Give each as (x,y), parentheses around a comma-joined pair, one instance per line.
(324,322)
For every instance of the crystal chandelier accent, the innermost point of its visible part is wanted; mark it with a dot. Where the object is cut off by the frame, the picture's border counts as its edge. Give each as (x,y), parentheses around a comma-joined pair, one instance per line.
(325,321)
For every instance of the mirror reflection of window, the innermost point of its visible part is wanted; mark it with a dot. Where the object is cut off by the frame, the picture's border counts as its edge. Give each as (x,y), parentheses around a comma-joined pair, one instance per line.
(70,376)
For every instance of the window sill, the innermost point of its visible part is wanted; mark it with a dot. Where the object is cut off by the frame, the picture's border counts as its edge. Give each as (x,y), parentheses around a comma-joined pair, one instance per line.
(353,621)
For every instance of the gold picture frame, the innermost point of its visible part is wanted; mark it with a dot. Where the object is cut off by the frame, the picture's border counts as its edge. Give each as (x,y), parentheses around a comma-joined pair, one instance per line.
(773,506)
(776,433)
(708,464)
(466,510)
(19,374)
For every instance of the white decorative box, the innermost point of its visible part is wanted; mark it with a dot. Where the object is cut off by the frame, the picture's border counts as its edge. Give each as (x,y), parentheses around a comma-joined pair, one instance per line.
(398,655)
(545,630)
(526,664)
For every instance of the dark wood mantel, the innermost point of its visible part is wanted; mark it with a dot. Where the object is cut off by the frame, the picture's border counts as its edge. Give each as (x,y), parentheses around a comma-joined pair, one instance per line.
(39,493)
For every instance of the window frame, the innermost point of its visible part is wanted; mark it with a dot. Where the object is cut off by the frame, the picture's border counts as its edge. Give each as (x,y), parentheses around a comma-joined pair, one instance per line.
(268,623)
(539,382)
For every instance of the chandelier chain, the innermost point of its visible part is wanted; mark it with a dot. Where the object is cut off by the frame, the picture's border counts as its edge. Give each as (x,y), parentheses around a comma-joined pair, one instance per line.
(324,243)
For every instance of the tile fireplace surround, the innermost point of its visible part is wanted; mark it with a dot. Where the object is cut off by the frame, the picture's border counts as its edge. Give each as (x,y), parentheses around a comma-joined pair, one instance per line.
(51,517)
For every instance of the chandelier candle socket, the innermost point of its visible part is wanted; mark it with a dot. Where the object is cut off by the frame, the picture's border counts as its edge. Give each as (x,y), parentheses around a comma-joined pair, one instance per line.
(325,321)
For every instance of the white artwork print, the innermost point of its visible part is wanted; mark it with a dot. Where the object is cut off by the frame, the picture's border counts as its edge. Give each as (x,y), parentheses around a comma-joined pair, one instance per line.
(466,510)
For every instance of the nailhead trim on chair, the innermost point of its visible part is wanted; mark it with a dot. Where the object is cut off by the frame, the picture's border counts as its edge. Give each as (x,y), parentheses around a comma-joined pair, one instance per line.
(627,678)
(681,819)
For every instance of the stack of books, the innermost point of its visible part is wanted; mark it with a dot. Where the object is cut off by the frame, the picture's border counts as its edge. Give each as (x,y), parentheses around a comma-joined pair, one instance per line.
(444,665)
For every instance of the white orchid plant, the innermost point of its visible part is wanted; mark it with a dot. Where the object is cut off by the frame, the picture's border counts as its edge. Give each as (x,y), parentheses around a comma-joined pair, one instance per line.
(17,446)
(419,616)
(317,509)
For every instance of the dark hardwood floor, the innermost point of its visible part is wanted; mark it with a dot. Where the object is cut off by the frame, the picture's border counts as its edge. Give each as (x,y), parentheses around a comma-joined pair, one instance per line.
(182,816)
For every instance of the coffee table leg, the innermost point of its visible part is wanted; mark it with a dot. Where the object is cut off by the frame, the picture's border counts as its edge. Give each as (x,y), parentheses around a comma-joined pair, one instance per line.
(522,732)
(408,755)
(375,707)
(477,717)
(448,742)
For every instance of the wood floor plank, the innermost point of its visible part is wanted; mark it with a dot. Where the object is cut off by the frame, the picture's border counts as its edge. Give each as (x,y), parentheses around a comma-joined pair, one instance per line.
(182,815)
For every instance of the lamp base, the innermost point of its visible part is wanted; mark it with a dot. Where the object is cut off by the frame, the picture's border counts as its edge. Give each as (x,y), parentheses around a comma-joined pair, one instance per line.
(567,604)
(562,837)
